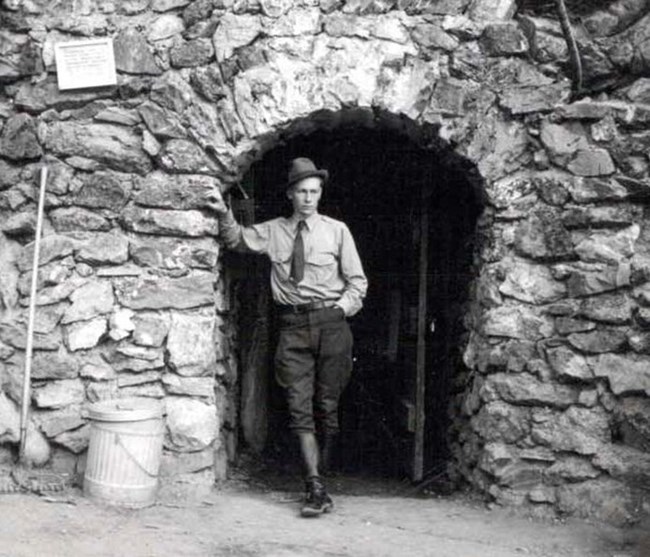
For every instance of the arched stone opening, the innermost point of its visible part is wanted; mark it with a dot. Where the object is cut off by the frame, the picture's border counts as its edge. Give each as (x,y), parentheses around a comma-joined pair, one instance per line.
(382,167)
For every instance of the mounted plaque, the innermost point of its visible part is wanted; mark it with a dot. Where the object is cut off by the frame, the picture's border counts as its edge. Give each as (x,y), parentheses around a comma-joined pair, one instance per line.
(82,64)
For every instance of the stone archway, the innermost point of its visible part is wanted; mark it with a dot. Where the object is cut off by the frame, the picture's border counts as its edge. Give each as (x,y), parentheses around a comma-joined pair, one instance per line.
(380,164)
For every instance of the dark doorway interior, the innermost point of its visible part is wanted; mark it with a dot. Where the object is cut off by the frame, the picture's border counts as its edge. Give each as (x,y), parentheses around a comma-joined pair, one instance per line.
(377,177)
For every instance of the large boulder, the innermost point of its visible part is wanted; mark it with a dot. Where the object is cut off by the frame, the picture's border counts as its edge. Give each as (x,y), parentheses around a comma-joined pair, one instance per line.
(192,425)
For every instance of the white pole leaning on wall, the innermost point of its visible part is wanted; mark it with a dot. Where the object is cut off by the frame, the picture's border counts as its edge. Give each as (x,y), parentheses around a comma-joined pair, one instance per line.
(27,378)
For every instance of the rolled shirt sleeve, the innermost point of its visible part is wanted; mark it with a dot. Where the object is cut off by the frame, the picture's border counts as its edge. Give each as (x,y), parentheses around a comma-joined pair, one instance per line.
(253,238)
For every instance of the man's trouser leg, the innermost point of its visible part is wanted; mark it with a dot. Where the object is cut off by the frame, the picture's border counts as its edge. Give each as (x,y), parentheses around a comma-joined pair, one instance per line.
(313,363)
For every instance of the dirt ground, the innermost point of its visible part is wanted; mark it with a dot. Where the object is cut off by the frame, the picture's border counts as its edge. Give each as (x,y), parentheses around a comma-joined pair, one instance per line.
(247,521)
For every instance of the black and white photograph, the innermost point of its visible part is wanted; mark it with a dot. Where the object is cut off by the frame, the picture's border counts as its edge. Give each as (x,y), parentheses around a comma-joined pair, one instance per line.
(324,278)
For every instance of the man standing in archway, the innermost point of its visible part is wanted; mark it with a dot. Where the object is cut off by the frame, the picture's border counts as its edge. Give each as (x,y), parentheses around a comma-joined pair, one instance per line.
(317,280)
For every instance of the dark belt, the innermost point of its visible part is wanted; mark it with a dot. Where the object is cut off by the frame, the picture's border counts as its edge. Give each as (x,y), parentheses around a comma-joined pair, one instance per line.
(304,308)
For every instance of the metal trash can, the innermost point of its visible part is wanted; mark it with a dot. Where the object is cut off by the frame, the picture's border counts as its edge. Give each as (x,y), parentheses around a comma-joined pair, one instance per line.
(126,439)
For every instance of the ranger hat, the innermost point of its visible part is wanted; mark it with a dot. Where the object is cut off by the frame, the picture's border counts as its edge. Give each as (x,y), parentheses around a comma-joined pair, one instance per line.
(303,167)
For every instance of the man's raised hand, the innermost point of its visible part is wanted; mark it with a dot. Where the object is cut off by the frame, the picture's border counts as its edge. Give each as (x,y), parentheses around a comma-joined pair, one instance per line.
(214,201)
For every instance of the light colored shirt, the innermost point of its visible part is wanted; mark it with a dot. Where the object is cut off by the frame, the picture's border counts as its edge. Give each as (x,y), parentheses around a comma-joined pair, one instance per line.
(333,269)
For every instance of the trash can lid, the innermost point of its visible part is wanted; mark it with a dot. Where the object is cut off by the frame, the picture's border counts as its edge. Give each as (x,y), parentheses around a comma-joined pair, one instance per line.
(125,410)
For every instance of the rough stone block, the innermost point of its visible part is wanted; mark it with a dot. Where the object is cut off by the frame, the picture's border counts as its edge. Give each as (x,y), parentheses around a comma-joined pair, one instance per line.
(595,190)
(167,5)
(592,162)
(150,328)
(16,336)
(173,463)
(607,500)
(586,283)
(141,378)
(569,365)
(504,39)
(172,253)
(104,190)
(95,368)
(606,246)
(526,98)
(42,95)
(625,463)
(500,421)
(191,344)
(19,139)
(175,192)
(192,425)
(117,147)
(533,284)
(85,334)
(614,216)
(127,357)
(162,123)
(580,430)
(55,422)
(148,390)
(75,440)
(121,324)
(603,339)
(90,300)
(608,308)
(627,374)
(562,141)
(58,394)
(524,389)
(189,386)
(235,31)
(164,27)
(543,237)
(66,219)
(208,82)
(489,10)
(182,293)
(572,469)
(432,36)
(632,418)
(54,365)
(516,322)
(103,249)
(169,222)
(52,247)
(19,224)
(181,156)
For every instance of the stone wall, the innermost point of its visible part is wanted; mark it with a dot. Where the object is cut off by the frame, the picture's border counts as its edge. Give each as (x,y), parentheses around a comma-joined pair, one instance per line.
(553,407)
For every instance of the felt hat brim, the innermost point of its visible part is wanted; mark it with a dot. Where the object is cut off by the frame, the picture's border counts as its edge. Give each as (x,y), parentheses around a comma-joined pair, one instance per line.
(320,173)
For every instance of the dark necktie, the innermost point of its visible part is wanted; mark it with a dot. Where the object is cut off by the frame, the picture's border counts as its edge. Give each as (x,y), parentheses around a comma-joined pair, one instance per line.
(298,258)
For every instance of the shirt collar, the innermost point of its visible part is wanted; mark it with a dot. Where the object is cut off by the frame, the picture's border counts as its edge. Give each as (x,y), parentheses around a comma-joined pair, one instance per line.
(310,221)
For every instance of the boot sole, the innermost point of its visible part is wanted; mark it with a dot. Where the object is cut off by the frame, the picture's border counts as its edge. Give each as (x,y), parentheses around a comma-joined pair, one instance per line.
(311,513)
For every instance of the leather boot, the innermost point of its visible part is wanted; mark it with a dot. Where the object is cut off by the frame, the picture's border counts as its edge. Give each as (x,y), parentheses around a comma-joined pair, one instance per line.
(317,501)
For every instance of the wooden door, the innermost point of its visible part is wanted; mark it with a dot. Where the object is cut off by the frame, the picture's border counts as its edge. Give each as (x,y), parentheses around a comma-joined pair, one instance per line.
(408,340)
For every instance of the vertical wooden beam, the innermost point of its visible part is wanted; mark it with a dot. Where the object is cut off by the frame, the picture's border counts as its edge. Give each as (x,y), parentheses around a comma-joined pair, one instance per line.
(420,379)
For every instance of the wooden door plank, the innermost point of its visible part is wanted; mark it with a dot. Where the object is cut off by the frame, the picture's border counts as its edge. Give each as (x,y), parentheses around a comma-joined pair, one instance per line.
(420,380)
